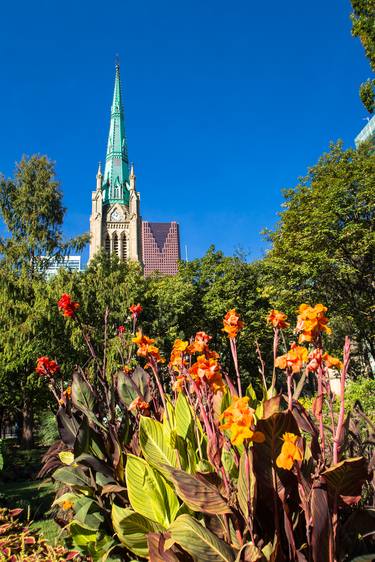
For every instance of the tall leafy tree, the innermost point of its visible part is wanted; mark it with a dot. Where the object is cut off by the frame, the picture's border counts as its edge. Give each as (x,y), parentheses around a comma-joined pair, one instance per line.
(363,20)
(32,211)
(324,245)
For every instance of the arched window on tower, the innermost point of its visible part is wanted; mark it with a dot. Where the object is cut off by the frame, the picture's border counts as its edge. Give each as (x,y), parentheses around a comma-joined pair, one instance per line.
(124,246)
(115,243)
(107,244)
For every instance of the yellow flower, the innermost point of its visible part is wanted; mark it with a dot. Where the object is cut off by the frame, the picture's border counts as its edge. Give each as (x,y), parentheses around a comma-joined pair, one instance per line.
(239,420)
(290,452)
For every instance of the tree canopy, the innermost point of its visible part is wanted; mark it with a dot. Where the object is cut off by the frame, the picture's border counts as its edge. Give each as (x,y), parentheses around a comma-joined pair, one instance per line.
(323,249)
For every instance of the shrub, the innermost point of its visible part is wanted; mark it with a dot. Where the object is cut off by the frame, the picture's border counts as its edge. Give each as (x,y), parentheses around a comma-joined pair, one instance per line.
(177,462)
(18,543)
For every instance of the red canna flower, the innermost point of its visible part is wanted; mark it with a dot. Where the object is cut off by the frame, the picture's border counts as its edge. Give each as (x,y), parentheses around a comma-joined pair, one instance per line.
(67,306)
(136,310)
(46,366)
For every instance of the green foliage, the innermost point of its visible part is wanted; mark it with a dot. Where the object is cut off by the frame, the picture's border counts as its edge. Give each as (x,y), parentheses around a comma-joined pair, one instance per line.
(363,18)
(152,474)
(324,245)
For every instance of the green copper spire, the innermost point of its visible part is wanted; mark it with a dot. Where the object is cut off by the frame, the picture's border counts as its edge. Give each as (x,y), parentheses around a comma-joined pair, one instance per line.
(116,173)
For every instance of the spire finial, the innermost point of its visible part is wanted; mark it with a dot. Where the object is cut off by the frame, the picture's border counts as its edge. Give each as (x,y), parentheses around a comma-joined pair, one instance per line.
(117,60)
(99,173)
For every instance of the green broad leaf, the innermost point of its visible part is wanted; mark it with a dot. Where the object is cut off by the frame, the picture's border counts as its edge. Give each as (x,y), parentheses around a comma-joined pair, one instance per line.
(87,513)
(132,529)
(246,486)
(149,493)
(81,537)
(250,392)
(68,496)
(155,445)
(72,476)
(199,542)
(126,391)
(131,386)
(198,493)
(227,459)
(184,417)
(83,398)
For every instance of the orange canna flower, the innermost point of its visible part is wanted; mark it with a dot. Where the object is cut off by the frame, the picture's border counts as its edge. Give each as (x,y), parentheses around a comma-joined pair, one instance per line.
(311,321)
(290,452)
(278,319)
(332,362)
(67,505)
(239,420)
(140,339)
(176,360)
(315,360)
(294,359)
(46,366)
(67,306)
(136,310)
(139,404)
(232,323)
(145,347)
(200,343)
(178,384)
(207,370)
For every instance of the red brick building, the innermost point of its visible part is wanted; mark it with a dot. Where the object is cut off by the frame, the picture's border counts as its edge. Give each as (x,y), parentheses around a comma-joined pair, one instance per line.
(160,247)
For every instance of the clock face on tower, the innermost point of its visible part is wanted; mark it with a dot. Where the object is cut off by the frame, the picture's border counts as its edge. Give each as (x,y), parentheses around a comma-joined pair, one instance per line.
(116,216)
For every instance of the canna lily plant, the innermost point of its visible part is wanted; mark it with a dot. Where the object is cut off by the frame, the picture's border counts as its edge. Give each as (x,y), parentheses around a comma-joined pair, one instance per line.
(177,462)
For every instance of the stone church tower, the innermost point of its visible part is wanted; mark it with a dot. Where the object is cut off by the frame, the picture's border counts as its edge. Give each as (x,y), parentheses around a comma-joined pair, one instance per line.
(115,222)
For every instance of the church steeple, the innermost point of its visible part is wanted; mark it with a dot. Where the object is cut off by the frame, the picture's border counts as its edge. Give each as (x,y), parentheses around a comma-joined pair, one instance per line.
(116,172)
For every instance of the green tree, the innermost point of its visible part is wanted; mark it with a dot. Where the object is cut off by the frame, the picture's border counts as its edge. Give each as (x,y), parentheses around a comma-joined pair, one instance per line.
(363,26)
(32,211)
(324,245)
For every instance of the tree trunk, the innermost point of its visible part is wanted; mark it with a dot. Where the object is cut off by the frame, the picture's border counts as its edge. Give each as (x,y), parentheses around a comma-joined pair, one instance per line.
(27,439)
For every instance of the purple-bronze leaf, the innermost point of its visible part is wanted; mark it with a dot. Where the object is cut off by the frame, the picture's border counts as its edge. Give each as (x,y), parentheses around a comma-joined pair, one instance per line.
(198,493)
(321,534)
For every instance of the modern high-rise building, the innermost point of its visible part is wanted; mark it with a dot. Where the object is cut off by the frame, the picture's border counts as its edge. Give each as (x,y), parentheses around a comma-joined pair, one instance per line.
(160,247)
(367,133)
(72,263)
(115,223)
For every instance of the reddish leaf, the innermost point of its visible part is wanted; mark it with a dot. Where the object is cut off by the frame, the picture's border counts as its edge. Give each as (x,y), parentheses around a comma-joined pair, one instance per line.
(73,554)
(305,423)
(157,553)
(321,535)
(15,512)
(317,405)
(346,478)
(271,406)
(198,493)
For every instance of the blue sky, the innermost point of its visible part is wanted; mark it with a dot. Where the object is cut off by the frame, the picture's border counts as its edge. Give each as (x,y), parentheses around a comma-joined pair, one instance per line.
(226,103)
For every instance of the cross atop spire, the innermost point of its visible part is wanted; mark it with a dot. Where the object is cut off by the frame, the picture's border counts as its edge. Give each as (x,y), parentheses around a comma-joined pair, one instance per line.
(116,172)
